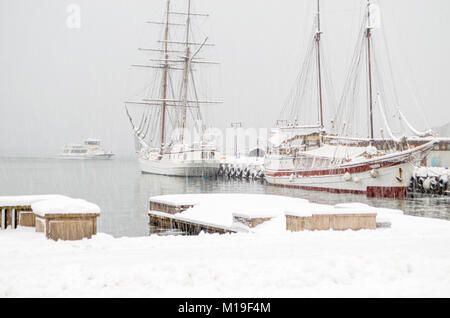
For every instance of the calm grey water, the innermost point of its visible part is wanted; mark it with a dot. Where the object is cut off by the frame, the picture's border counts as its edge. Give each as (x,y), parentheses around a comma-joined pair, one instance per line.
(122,192)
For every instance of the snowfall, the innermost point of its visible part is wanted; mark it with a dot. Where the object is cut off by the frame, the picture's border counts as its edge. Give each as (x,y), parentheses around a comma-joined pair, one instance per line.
(409,259)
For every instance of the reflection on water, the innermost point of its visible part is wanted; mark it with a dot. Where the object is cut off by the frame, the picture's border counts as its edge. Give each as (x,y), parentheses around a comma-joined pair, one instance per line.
(122,192)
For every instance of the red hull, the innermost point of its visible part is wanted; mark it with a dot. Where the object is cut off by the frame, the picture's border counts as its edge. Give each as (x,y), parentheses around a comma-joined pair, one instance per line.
(357,168)
(385,192)
(372,192)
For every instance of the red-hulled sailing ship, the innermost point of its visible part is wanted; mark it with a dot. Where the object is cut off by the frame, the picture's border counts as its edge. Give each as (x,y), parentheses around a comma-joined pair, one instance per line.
(310,157)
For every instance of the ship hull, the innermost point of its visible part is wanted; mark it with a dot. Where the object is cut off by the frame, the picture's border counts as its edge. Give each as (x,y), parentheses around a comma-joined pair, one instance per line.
(391,182)
(185,168)
(385,177)
(87,157)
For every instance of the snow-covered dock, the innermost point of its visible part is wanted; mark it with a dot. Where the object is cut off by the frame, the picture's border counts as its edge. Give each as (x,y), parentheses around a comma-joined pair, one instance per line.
(165,214)
(161,222)
(16,210)
(250,212)
(58,216)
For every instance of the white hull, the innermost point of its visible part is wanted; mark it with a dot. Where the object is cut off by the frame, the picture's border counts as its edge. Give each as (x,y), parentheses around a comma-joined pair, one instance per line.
(180,168)
(384,177)
(393,179)
(107,156)
(90,150)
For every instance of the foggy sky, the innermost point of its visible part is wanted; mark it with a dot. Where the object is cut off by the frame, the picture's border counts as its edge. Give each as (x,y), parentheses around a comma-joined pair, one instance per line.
(61,85)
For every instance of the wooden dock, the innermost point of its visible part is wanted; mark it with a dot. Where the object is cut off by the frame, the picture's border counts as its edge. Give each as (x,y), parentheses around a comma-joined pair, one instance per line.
(18,211)
(168,222)
(164,218)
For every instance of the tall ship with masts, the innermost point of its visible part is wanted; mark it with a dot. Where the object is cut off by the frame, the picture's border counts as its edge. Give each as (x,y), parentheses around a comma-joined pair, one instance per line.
(347,156)
(171,133)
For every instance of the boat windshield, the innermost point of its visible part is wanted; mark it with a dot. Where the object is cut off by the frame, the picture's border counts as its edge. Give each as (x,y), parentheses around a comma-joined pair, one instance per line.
(92,142)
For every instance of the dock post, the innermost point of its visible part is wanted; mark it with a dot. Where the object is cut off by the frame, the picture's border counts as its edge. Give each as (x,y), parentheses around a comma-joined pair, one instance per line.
(3,219)
(13,219)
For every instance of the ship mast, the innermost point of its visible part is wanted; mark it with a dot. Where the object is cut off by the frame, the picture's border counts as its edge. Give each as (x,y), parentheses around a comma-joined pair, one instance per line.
(168,64)
(369,65)
(166,70)
(187,60)
(318,37)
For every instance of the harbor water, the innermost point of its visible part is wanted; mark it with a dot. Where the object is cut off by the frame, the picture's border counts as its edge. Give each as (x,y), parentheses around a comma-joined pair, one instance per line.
(122,192)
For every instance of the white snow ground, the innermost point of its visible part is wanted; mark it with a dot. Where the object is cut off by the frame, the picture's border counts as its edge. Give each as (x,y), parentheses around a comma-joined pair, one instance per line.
(411,259)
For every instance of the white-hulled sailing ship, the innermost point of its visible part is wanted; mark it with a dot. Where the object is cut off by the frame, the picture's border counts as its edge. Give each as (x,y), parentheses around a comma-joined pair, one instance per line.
(338,159)
(173,107)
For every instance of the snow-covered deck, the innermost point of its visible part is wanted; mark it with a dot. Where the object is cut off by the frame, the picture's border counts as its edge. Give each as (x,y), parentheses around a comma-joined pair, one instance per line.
(59,217)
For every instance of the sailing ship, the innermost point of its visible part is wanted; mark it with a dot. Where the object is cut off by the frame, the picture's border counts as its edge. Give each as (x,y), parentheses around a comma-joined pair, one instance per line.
(336,159)
(90,149)
(174,107)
